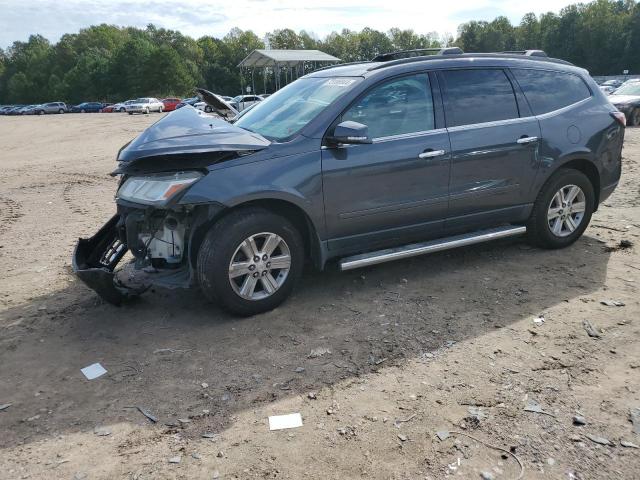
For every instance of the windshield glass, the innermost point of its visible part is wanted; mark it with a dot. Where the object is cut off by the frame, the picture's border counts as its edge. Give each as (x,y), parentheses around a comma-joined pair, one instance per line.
(288,110)
(631,89)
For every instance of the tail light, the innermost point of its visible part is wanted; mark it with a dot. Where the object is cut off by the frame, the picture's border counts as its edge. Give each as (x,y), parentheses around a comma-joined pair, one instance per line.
(620,117)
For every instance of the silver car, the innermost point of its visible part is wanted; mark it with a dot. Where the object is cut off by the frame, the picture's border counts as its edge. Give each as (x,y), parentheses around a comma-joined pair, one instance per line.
(145,105)
(51,107)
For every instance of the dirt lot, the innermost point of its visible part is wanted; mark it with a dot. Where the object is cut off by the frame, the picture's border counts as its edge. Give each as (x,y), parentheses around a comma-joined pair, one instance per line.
(448,342)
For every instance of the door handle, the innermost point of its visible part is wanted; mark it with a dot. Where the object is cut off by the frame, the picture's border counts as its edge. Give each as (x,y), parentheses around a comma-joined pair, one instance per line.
(431,154)
(525,140)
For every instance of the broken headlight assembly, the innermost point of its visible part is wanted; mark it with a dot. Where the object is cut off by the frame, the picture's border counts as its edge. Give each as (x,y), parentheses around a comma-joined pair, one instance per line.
(156,190)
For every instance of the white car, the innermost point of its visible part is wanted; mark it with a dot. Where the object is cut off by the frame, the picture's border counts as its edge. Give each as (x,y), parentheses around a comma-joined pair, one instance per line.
(145,105)
(244,101)
(122,106)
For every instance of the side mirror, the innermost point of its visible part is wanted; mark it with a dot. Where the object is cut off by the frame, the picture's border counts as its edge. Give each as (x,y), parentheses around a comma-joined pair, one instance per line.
(350,133)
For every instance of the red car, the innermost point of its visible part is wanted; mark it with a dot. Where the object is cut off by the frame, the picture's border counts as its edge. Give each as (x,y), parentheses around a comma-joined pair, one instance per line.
(170,103)
(107,108)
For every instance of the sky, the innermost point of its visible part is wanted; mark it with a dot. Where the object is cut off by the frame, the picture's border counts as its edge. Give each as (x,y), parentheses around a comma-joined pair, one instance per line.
(52,18)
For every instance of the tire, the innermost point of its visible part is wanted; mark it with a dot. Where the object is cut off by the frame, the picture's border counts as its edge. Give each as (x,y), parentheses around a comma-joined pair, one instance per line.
(634,117)
(83,111)
(122,110)
(61,111)
(146,111)
(222,245)
(161,109)
(130,113)
(40,112)
(208,109)
(548,212)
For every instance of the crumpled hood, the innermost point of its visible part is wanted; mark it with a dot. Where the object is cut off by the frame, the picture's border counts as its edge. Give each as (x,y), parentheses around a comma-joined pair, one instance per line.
(188,130)
(618,99)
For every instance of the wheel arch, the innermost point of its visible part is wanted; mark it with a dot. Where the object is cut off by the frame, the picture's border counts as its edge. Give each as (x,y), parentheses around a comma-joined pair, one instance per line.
(208,215)
(589,169)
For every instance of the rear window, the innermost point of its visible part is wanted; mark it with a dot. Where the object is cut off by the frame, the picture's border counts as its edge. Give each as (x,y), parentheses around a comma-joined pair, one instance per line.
(547,91)
(478,96)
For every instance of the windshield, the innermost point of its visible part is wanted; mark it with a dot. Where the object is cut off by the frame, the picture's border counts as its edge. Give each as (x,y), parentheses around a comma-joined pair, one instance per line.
(631,89)
(287,111)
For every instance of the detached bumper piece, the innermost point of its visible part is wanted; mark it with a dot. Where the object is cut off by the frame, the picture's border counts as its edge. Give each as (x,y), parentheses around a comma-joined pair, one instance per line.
(95,259)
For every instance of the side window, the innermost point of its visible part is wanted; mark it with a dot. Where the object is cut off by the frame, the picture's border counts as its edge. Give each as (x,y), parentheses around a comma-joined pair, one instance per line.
(403,105)
(478,96)
(547,91)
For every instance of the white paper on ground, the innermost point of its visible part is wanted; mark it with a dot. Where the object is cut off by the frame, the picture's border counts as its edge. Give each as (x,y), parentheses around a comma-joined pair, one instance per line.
(93,371)
(279,422)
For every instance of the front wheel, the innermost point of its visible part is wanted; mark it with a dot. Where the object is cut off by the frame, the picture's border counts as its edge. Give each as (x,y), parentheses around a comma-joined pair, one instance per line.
(83,111)
(61,111)
(562,211)
(208,109)
(146,111)
(250,261)
(122,110)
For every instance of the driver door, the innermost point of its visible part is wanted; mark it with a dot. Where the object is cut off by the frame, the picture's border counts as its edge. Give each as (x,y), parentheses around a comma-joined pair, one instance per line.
(396,188)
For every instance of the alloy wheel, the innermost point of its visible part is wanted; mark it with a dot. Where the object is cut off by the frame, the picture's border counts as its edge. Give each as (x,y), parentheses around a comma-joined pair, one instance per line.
(566,210)
(259,266)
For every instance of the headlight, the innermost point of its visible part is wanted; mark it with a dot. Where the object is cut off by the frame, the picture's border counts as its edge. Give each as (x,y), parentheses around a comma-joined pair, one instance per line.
(156,189)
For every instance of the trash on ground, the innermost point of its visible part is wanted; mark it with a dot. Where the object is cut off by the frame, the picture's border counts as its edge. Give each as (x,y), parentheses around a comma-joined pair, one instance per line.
(175,459)
(280,422)
(600,440)
(102,431)
(403,438)
(535,407)
(627,444)
(477,413)
(442,434)
(591,330)
(319,352)
(147,414)
(93,371)
(5,406)
(579,420)
(612,303)
(539,320)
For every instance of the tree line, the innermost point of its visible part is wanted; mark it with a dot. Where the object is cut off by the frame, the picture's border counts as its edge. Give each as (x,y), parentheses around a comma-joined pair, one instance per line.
(108,63)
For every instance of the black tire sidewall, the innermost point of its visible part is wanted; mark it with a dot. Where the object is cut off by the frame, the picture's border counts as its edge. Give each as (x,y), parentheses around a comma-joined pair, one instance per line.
(542,234)
(635,117)
(220,244)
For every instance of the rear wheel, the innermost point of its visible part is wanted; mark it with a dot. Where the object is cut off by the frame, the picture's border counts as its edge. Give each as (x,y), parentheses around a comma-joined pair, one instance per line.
(208,109)
(122,110)
(562,210)
(250,261)
(82,110)
(146,111)
(634,118)
(61,111)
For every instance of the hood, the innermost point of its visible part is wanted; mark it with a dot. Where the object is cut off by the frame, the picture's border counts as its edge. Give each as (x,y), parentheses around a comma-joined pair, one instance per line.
(188,130)
(219,105)
(618,99)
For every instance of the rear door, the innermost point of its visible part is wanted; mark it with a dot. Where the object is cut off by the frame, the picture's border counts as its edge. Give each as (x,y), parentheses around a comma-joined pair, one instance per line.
(494,146)
(395,188)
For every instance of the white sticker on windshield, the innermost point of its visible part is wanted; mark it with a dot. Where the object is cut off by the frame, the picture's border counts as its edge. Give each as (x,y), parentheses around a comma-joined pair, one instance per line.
(339,82)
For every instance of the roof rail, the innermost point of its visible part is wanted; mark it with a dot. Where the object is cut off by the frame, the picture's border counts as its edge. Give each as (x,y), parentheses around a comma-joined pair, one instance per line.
(528,53)
(327,67)
(416,52)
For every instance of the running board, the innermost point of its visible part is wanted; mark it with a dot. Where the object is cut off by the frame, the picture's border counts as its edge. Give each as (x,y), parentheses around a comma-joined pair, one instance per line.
(414,249)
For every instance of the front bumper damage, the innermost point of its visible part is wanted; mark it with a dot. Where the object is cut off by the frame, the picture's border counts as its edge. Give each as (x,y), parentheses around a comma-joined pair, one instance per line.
(95,260)
(158,260)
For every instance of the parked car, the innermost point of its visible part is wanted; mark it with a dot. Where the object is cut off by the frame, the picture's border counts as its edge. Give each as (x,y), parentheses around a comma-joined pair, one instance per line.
(5,108)
(613,83)
(627,100)
(108,108)
(607,89)
(122,106)
(51,107)
(241,102)
(87,107)
(188,101)
(170,104)
(362,163)
(14,109)
(27,110)
(631,80)
(145,105)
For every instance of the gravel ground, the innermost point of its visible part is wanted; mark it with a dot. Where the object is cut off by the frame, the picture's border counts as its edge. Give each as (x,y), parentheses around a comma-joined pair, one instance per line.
(485,344)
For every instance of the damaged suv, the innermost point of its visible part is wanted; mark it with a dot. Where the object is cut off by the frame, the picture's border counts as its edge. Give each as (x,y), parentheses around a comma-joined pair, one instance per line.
(365,163)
